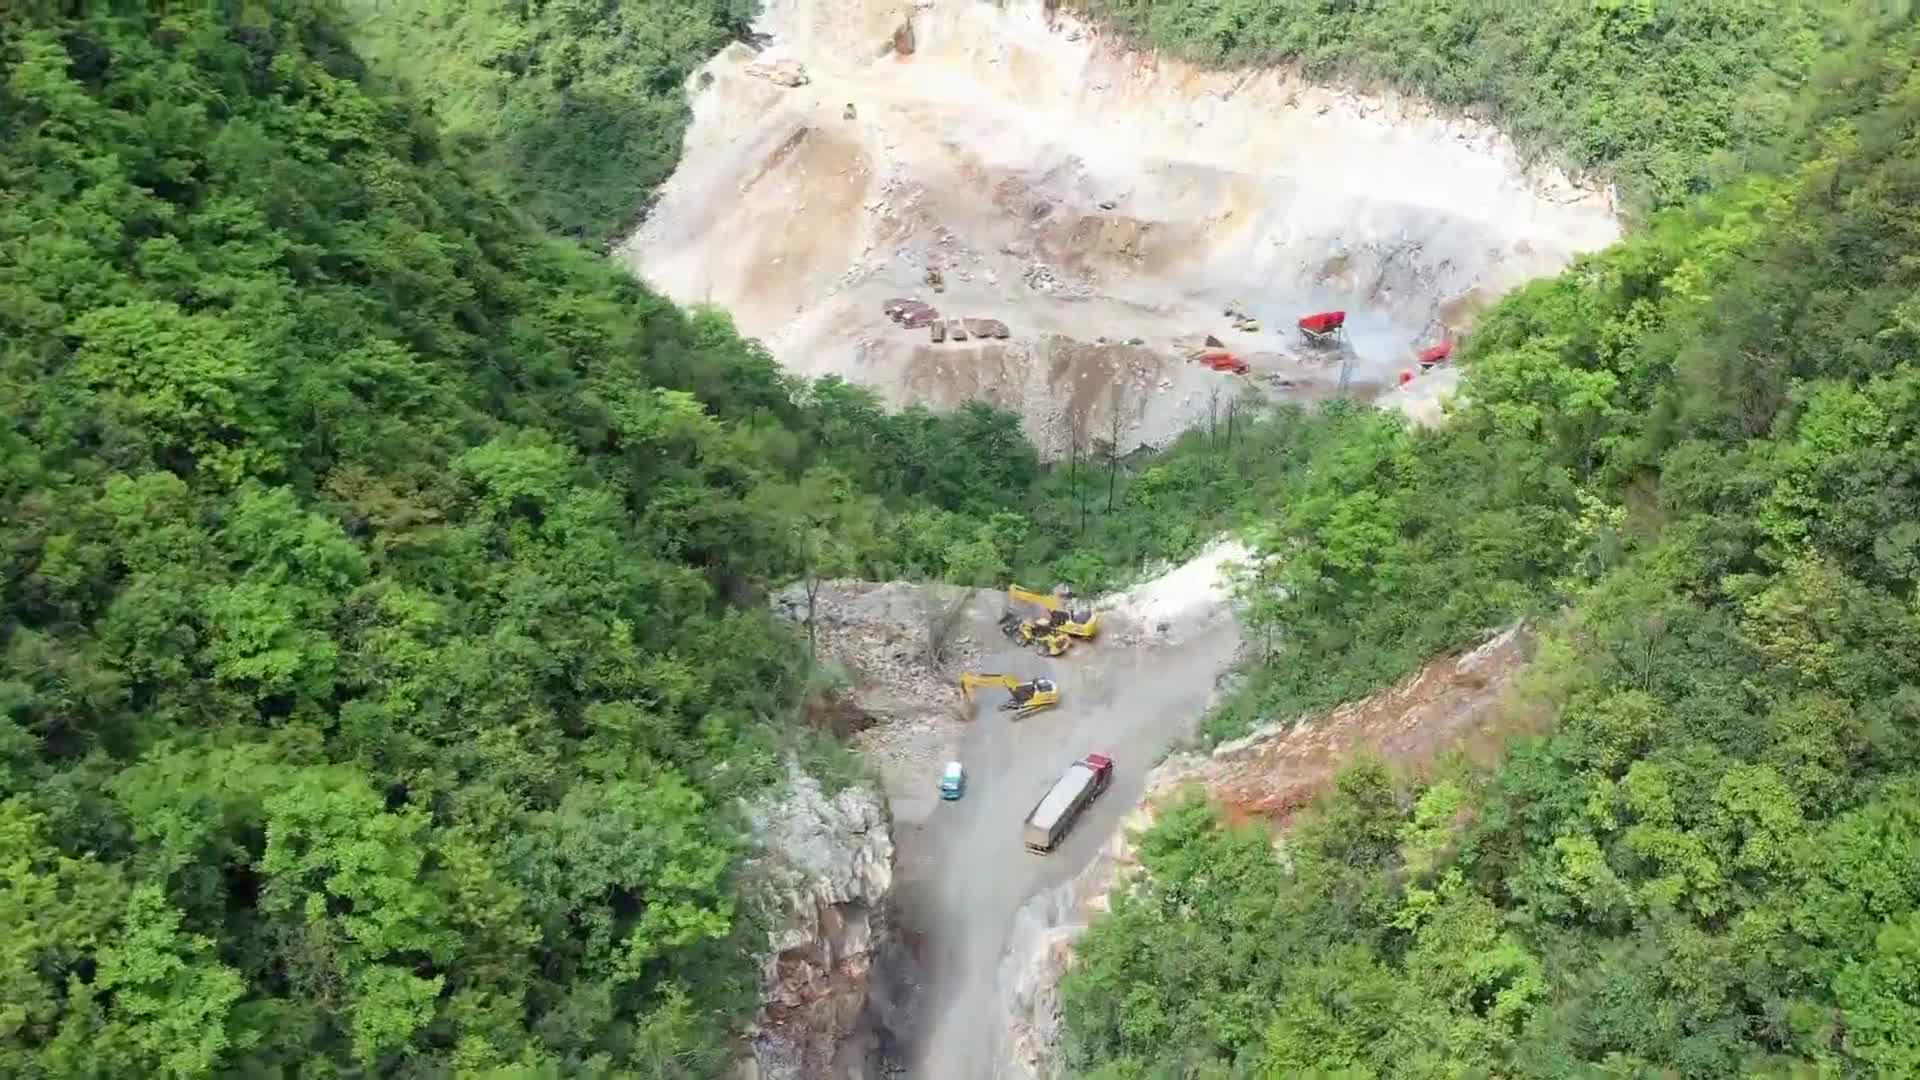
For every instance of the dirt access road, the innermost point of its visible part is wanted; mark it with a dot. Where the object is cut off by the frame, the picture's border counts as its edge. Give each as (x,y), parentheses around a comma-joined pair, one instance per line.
(963,872)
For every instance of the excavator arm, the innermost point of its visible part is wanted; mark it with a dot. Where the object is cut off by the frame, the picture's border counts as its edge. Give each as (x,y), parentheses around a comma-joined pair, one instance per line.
(1023,695)
(969,680)
(1045,600)
(1050,632)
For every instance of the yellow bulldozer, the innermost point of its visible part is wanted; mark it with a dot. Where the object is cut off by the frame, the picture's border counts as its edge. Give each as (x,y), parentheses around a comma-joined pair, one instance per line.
(1058,623)
(1024,696)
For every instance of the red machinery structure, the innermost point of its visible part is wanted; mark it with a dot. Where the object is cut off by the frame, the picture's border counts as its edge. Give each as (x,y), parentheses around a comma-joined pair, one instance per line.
(1435,354)
(1221,360)
(1322,328)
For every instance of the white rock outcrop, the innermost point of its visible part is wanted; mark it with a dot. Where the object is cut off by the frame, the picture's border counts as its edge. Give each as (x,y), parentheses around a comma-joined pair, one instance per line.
(822,872)
(1041,950)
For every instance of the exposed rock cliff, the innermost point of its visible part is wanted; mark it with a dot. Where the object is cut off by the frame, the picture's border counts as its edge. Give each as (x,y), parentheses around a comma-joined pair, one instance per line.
(822,872)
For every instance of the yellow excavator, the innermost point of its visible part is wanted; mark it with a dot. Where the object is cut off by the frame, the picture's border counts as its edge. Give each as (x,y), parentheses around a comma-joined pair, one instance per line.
(1051,633)
(1024,696)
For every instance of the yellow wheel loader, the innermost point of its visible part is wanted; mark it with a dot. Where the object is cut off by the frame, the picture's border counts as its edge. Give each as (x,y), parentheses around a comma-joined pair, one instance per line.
(1037,636)
(1024,696)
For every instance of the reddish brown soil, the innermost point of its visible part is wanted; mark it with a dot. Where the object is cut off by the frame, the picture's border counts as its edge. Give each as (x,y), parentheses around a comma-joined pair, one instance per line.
(1453,703)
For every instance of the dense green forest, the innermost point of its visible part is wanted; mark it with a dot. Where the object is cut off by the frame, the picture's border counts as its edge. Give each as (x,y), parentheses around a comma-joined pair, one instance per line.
(574,105)
(382,652)
(1697,457)
(1666,96)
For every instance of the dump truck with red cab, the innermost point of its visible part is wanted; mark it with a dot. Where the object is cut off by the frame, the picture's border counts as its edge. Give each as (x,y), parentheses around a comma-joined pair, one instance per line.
(1054,814)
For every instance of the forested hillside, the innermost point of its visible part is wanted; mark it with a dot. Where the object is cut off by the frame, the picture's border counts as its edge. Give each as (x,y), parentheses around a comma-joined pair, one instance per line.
(383,653)
(1697,455)
(382,646)
(1662,95)
(574,105)
(382,650)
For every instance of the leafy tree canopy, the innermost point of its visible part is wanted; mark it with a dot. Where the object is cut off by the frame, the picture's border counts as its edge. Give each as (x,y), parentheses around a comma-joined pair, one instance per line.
(1698,448)
(1666,96)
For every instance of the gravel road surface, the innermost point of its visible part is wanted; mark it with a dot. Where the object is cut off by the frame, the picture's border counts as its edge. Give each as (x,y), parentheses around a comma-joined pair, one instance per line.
(963,870)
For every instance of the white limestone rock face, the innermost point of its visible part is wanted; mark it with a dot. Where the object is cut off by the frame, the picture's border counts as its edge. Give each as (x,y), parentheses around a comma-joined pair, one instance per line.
(822,871)
(1028,1041)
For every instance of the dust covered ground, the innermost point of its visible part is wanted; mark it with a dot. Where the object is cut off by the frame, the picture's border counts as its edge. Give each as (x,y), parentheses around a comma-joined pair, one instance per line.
(984,928)
(1088,196)
(962,873)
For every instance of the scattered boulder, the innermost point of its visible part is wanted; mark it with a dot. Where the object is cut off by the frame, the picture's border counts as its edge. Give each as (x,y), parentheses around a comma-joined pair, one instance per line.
(787,73)
(1215,343)
(882,635)
(918,315)
(935,281)
(1042,278)
(848,113)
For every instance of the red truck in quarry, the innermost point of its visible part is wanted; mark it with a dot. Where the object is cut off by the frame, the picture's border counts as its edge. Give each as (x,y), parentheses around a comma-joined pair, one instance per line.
(1054,814)
(1436,354)
(1322,328)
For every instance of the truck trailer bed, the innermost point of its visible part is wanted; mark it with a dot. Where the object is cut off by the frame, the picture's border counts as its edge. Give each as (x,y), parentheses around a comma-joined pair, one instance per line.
(1059,802)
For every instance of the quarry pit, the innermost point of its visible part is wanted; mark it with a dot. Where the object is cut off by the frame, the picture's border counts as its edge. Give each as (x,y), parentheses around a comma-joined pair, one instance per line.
(1106,204)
